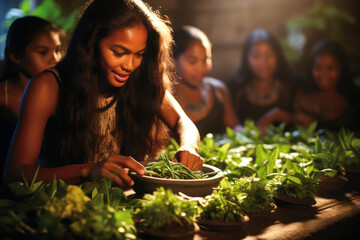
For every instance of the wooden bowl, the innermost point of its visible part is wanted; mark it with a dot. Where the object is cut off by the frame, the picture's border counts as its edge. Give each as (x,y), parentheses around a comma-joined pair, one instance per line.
(191,187)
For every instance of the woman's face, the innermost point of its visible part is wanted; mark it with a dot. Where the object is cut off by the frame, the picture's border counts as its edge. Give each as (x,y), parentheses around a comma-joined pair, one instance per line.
(262,60)
(42,53)
(193,64)
(326,71)
(121,53)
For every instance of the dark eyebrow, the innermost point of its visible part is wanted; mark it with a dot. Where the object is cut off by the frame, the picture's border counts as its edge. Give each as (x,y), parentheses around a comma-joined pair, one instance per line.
(41,47)
(191,57)
(126,49)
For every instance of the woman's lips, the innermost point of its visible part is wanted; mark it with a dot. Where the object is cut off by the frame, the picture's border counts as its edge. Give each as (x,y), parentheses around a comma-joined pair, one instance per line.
(121,77)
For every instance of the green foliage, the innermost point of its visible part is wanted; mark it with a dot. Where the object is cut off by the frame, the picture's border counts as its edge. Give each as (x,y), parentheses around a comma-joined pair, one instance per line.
(259,193)
(103,194)
(59,211)
(348,144)
(164,168)
(47,9)
(225,204)
(320,17)
(163,209)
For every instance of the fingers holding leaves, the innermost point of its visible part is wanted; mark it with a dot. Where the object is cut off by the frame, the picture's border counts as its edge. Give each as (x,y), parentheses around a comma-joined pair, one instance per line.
(117,168)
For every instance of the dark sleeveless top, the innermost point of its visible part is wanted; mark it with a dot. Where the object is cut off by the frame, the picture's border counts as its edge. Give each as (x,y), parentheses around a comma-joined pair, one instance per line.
(245,109)
(214,121)
(49,130)
(107,145)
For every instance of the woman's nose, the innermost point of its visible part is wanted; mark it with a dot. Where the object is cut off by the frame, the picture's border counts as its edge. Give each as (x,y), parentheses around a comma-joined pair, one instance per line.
(128,64)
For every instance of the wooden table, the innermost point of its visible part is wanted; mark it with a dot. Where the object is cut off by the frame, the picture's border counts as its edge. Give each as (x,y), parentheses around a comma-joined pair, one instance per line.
(334,217)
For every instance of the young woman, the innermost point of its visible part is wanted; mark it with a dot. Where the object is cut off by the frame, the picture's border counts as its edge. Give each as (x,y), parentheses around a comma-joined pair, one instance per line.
(32,45)
(104,104)
(204,99)
(329,96)
(263,83)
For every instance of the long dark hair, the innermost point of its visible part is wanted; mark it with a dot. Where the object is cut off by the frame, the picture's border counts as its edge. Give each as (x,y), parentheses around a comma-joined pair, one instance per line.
(185,35)
(345,84)
(138,101)
(21,33)
(244,75)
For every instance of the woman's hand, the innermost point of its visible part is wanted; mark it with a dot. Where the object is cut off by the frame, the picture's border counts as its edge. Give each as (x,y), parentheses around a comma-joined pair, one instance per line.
(188,157)
(303,119)
(116,168)
(273,115)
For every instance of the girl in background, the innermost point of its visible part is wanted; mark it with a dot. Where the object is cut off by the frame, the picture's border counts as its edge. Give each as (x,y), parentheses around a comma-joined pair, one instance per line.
(32,45)
(329,95)
(263,85)
(105,104)
(205,100)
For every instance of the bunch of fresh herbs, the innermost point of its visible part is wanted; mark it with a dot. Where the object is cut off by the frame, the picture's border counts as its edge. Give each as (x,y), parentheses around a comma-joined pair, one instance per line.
(164,168)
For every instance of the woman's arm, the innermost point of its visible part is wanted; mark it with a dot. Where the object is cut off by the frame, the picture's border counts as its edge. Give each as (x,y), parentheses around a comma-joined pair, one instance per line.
(230,118)
(38,104)
(184,131)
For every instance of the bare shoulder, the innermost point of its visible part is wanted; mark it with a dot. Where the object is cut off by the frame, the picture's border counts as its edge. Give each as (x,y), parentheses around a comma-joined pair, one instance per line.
(43,90)
(45,81)
(217,84)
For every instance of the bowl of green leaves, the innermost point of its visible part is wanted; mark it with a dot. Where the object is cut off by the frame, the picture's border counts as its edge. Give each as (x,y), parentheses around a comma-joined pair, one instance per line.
(177,177)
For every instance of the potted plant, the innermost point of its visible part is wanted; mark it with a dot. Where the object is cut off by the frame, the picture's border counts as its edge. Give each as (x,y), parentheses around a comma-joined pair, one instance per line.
(165,215)
(223,210)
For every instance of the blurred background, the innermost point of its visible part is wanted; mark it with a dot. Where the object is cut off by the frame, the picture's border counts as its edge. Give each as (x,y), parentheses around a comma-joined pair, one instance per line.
(297,23)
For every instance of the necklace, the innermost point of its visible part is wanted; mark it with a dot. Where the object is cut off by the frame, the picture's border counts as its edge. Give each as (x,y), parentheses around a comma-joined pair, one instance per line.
(263,97)
(200,106)
(105,103)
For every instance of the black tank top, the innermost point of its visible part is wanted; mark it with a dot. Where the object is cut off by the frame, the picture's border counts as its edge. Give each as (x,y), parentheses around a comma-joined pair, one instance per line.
(214,121)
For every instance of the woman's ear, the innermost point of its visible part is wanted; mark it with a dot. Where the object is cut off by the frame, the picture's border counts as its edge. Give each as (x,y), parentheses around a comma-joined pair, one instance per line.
(13,58)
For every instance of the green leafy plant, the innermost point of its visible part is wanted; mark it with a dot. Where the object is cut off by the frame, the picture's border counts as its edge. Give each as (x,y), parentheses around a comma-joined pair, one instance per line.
(164,209)
(329,155)
(226,204)
(259,193)
(349,145)
(298,180)
(59,211)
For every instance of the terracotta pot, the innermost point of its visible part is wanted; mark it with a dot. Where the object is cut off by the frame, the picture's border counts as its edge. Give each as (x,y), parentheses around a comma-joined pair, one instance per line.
(353,174)
(331,186)
(291,202)
(221,226)
(173,232)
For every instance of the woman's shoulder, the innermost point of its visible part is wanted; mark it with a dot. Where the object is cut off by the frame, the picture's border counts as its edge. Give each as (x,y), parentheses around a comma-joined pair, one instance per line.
(43,89)
(45,80)
(215,83)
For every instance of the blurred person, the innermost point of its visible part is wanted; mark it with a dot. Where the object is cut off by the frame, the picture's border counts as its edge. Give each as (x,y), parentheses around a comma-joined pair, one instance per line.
(328,94)
(205,100)
(32,45)
(263,85)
